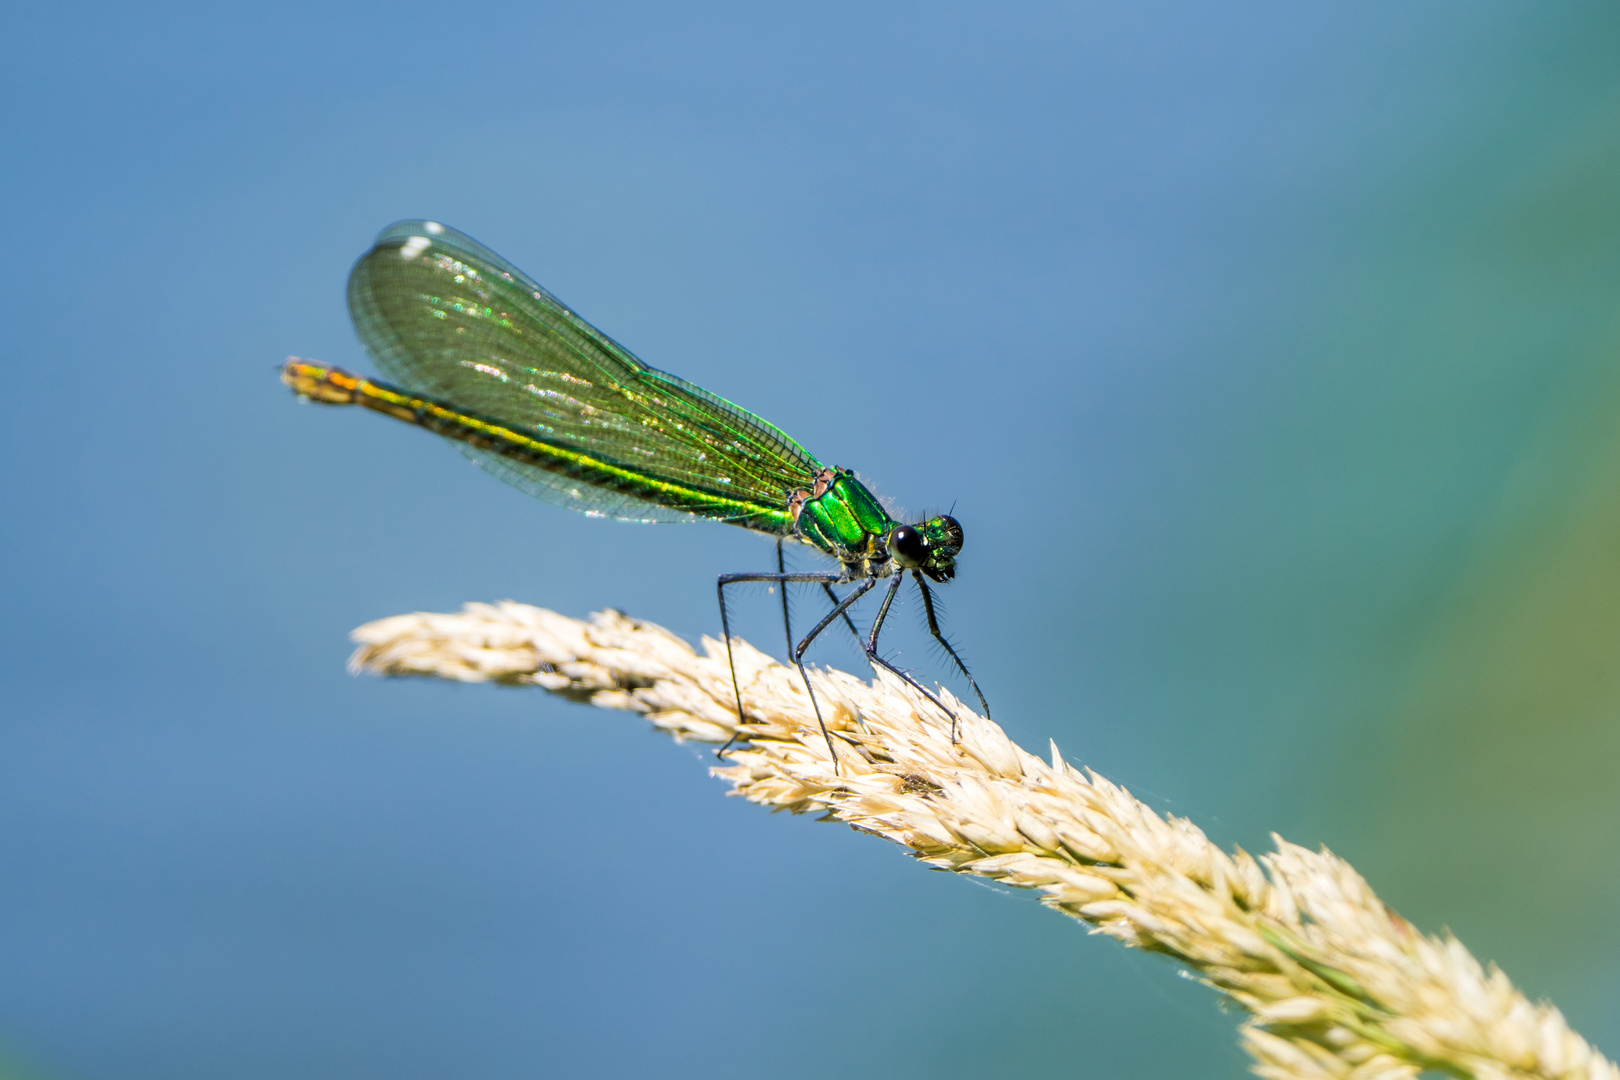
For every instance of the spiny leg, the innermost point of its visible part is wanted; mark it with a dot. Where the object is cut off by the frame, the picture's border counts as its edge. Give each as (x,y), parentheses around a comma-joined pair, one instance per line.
(933,628)
(873,657)
(725,631)
(787,621)
(798,658)
(828,589)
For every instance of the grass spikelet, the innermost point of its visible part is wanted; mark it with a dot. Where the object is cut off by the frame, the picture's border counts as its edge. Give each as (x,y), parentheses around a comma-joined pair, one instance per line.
(1336,985)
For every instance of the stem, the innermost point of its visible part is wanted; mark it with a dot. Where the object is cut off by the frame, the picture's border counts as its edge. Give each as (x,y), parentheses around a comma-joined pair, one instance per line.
(1335,984)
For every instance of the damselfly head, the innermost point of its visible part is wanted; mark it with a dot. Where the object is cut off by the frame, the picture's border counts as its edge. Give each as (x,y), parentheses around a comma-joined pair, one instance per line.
(931,547)
(944,535)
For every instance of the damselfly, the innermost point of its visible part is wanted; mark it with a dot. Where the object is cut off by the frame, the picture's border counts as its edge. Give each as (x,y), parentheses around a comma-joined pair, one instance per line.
(533,393)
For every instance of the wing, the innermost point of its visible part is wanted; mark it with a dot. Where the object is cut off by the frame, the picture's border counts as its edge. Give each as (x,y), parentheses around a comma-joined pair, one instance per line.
(449,319)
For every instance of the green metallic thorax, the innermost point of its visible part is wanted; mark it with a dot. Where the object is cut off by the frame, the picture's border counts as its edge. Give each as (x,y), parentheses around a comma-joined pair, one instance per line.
(841,517)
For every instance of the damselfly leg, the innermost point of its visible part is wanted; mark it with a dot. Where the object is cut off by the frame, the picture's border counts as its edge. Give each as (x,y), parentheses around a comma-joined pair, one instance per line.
(796,652)
(933,628)
(840,610)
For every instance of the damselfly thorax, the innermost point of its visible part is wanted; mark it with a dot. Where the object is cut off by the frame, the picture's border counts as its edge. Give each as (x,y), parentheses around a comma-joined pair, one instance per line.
(838,515)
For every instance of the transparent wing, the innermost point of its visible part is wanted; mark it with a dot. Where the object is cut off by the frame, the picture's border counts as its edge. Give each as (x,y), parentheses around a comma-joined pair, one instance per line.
(447,318)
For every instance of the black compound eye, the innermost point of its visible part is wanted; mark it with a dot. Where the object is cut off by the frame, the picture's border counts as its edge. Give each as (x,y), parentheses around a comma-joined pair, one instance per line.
(908,547)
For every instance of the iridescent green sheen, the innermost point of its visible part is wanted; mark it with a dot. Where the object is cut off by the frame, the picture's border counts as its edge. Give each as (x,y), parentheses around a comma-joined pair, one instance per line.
(487,358)
(455,323)
(533,393)
(845,518)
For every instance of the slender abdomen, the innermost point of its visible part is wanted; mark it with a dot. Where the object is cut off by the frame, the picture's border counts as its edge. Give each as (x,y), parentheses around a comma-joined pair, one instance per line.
(334,386)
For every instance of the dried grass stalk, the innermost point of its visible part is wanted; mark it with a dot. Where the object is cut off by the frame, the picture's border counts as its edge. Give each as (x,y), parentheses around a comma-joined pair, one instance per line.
(1335,983)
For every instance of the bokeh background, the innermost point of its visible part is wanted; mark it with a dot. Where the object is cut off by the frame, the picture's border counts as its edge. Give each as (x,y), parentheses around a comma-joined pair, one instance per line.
(1269,353)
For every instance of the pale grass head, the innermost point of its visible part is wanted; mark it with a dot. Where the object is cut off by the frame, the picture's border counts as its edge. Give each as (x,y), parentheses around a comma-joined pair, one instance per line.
(1334,983)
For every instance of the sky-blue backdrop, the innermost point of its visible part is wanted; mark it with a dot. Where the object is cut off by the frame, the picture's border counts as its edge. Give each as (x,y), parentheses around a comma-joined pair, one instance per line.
(1266,351)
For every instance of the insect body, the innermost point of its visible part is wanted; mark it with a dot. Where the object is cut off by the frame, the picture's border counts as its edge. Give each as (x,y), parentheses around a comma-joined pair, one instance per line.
(485,357)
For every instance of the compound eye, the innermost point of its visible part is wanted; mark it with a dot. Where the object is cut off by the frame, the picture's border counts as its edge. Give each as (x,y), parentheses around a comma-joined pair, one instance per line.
(908,547)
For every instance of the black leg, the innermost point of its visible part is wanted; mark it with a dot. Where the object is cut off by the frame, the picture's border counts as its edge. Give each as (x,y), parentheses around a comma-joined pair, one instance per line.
(798,657)
(873,657)
(840,609)
(787,620)
(933,628)
(828,589)
(725,631)
(883,613)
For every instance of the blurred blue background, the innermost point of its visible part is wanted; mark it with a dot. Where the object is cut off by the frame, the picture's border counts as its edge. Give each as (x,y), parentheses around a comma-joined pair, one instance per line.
(1268,353)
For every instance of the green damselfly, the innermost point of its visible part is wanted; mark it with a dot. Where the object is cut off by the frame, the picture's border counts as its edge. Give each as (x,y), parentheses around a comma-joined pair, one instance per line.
(533,393)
